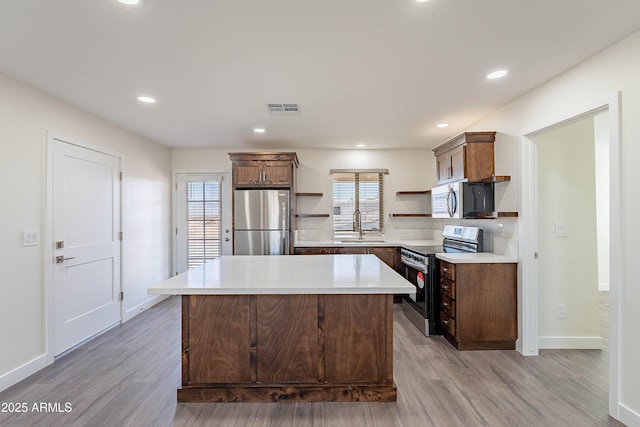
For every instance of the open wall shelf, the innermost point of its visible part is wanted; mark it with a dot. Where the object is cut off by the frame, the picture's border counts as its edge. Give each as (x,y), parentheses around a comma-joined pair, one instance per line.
(310,215)
(408,193)
(397,215)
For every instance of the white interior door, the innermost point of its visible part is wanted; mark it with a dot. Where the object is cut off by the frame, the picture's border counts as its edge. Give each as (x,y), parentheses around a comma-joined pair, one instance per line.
(203,219)
(86,228)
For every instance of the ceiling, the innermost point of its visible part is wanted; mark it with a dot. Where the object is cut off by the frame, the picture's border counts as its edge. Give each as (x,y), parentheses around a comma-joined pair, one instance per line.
(381,73)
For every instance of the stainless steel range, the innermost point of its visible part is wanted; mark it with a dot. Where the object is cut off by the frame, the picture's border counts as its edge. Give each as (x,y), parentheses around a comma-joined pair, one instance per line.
(420,267)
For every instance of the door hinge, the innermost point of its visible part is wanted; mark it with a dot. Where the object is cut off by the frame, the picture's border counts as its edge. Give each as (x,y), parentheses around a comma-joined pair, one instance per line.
(120,236)
(535,255)
(120,176)
(176,231)
(121,296)
(176,186)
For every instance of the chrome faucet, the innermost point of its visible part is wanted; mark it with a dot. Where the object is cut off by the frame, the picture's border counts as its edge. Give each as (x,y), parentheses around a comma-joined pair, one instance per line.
(357,223)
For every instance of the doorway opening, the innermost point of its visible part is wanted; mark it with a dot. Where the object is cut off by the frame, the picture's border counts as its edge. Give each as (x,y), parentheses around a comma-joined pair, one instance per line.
(202,219)
(531,293)
(572,223)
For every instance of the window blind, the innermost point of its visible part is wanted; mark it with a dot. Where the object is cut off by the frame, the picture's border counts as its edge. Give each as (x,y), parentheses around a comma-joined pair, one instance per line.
(361,191)
(204,222)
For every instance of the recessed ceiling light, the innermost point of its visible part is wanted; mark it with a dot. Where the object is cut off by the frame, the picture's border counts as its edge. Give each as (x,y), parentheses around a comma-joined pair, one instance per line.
(130,2)
(361,145)
(146,99)
(259,130)
(442,125)
(422,1)
(498,74)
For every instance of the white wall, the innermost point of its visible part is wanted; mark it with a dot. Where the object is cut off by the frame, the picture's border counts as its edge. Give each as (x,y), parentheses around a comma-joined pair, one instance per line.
(408,170)
(568,265)
(26,115)
(615,69)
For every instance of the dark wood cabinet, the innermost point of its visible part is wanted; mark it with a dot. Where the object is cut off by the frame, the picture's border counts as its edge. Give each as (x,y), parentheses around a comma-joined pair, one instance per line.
(267,170)
(387,254)
(478,305)
(262,173)
(269,348)
(255,170)
(314,251)
(467,156)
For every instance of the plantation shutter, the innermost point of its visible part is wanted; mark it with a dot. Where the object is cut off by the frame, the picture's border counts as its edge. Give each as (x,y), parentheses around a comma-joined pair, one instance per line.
(358,190)
(204,211)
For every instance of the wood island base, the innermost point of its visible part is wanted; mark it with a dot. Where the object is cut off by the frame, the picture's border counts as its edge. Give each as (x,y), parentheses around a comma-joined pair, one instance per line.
(287,348)
(302,393)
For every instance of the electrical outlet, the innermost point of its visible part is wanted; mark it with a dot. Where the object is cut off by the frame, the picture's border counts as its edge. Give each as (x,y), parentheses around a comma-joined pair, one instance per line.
(561,311)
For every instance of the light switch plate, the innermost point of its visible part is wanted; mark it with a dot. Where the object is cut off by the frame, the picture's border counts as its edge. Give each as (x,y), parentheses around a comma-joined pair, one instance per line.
(30,238)
(562,230)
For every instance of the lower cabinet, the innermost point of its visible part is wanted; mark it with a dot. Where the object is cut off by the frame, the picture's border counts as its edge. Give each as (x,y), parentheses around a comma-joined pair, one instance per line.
(260,348)
(478,305)
(388,255)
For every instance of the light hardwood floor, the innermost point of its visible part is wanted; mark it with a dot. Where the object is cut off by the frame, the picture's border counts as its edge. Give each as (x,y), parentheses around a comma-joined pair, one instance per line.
(129,375)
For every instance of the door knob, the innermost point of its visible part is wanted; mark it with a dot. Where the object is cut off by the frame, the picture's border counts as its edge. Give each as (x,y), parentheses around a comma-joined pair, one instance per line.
(60,259)
(226,239)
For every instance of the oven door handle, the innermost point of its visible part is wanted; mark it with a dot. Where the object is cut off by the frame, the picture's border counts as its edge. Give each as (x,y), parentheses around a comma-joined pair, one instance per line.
(414,265)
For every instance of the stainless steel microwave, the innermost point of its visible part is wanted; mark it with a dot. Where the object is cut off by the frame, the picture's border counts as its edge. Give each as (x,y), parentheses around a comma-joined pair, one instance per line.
(463,200)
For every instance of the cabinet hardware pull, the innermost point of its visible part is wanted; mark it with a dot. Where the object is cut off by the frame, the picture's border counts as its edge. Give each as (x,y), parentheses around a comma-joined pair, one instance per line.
(445,287)
(445,304)
(445,323)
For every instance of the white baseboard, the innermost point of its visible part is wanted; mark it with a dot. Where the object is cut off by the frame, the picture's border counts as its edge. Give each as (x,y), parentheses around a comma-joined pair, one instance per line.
(629,417)
(603,286)
(134,311)
(22,372)
(574,343)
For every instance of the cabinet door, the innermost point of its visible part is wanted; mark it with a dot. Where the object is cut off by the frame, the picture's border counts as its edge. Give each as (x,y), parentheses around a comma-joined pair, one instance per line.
(217,339)
(313,251)
(386,255)
(457,159)
(358,338)
(247,172)
(277,173)
(350,251)
(443,163)
(486,302)
(288,348)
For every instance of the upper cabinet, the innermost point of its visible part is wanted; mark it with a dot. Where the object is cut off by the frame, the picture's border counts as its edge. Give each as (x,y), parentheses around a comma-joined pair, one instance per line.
(263,169)
(467,156)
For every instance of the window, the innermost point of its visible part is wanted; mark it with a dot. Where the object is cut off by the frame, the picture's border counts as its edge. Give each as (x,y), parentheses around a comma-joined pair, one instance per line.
(357,191)
(203,222)
(202,218)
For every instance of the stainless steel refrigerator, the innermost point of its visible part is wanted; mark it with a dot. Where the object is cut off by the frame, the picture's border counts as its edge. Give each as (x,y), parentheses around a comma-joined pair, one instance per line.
(261,222)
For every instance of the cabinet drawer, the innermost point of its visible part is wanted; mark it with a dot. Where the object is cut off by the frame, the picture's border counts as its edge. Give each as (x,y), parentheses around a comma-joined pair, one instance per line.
(447,270)
(448,306)
(448,288)
(448,324)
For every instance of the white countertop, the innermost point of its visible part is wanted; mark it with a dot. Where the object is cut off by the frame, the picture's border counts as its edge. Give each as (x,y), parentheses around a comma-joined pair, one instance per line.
(454,258)
(287,274)
(364,242)
(477,258)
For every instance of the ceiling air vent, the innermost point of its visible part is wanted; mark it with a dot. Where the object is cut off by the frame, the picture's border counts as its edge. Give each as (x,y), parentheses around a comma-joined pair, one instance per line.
(283,109)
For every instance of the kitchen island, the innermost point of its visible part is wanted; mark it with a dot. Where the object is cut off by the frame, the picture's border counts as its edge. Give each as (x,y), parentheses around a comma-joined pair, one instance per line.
(287,328)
